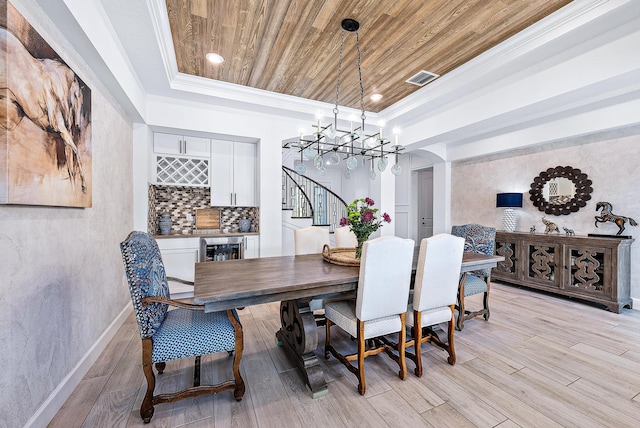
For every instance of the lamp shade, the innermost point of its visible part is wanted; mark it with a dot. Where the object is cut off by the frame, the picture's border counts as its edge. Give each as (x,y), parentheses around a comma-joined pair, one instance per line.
(509,200)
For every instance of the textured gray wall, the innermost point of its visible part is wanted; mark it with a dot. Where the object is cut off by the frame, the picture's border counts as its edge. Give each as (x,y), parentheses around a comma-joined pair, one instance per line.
(612,165)
(61,274)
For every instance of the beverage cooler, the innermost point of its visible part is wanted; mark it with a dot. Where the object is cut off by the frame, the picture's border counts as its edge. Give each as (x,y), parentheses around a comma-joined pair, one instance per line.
(220,249)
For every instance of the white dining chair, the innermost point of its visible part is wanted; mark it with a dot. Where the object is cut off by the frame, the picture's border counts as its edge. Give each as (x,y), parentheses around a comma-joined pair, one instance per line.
(379,308)
(310,240)
(434,295)
(345,238)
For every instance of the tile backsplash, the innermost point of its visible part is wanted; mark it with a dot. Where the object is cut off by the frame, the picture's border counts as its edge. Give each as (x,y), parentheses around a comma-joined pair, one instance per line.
(182,200)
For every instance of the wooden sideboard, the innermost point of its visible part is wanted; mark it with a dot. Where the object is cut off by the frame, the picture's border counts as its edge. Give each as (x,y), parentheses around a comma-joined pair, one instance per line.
(595,269)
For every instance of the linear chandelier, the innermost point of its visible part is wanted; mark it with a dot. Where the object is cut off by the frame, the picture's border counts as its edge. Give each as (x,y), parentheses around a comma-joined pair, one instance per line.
(353,146)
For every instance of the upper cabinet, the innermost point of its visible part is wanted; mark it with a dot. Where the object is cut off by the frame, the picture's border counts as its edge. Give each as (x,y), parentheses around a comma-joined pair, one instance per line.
(233,173)
(181,145)
(181,160)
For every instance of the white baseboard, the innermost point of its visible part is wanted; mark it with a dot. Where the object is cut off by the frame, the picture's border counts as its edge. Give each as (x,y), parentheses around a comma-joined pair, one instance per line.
(635,303)
(50,407)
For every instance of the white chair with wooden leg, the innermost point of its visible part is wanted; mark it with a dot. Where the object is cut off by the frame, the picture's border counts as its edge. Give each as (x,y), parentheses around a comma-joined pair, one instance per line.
(434,295)
(311,240)
(345,238)
(380,306)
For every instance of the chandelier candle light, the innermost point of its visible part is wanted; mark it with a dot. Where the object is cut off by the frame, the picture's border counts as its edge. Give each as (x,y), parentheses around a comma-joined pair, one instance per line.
(509,201)
(341,144)
(361,219)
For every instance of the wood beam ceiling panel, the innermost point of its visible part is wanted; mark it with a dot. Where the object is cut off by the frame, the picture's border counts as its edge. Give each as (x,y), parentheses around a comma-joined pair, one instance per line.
(292,46)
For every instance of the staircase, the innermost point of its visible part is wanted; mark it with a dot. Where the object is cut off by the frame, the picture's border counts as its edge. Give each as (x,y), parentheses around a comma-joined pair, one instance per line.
(308,199)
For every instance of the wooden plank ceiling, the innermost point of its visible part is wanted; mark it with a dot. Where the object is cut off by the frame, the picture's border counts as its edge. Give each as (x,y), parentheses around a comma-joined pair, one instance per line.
(292,46)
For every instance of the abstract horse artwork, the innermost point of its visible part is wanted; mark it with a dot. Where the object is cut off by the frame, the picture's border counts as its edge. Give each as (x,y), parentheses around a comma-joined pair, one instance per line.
(46,92)
(606,215)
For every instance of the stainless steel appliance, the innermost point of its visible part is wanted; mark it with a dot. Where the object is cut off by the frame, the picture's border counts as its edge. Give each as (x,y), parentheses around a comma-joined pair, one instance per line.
(221,248)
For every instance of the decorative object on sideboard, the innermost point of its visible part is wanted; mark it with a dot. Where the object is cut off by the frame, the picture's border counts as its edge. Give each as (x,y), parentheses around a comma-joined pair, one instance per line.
(532,229)
(165,223)
(550,226)
(606,215)
(568,232)
(560,190)
(509,201)
(244,225)
(335,143)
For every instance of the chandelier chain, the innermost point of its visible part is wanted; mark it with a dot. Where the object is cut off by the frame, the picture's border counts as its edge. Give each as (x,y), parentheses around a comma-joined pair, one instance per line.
(339,72)
(360,78)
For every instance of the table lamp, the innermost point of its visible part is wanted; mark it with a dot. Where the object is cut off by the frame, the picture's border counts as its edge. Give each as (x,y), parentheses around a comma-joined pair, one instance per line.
(508,201)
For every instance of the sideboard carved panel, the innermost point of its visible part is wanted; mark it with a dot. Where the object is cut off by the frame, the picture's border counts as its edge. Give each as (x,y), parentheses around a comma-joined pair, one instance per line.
(589,268)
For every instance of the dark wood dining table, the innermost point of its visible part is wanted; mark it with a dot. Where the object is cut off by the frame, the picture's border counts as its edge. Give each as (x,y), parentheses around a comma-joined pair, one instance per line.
(294,281)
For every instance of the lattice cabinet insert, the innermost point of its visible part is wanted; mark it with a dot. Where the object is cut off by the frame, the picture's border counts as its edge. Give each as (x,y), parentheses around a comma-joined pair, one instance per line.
(595,269)
(182,170)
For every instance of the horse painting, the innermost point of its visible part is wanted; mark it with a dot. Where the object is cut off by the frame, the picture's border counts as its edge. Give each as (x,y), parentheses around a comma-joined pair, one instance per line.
(45,121)
(606,215)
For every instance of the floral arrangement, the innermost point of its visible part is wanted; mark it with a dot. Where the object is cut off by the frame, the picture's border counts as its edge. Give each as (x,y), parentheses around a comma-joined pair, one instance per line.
(361,219)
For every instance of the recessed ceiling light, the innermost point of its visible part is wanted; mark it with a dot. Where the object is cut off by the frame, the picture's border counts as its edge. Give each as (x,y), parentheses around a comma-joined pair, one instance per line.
(376,97)
(214,58)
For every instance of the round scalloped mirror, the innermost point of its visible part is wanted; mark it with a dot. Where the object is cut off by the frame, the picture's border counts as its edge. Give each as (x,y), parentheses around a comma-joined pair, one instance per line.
(560,190)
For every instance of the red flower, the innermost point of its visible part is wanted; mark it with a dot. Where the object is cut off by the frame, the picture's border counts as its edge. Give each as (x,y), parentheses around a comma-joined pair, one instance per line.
(344,221)
(386,217)
(367,215)
(369,201)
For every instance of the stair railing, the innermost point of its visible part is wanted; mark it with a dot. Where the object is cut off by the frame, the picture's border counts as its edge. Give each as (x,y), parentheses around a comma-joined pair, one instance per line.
(310,199)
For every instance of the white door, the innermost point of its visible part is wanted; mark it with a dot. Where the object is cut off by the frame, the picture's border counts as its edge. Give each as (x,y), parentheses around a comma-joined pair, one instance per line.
(425,203)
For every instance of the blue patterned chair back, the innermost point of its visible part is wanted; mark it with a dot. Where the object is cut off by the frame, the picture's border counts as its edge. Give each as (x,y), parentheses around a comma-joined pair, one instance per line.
(477,239)
(146,277)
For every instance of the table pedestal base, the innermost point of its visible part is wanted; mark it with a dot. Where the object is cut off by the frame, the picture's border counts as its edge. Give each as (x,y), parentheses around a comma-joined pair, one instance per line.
(299,337)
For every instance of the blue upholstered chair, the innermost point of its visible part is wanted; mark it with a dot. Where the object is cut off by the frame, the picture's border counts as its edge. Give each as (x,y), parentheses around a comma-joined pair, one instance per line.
(482,240)
(380,306)
(184,332)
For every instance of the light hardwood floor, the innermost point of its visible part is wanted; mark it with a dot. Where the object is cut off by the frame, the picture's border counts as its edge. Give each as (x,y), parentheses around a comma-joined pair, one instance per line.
(540,361)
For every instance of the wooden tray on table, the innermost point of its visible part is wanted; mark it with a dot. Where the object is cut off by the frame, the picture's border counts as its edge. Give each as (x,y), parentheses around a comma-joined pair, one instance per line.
(340,256)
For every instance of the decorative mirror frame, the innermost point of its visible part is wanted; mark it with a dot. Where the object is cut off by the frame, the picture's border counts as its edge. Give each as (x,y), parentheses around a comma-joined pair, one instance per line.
(579,200)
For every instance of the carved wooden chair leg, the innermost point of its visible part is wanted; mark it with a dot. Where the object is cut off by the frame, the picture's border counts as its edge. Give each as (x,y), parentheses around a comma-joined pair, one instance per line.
(402,341)
(485,301)
(146,409)
(450,346)
(417,339)
(460,320)
(327,339)
(362,384)
(238,391)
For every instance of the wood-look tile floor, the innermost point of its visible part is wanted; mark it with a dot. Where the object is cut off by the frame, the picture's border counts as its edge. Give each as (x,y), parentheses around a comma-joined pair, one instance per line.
(540,361)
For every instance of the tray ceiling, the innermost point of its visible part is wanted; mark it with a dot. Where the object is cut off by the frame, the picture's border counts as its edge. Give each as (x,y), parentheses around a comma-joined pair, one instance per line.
(292,47)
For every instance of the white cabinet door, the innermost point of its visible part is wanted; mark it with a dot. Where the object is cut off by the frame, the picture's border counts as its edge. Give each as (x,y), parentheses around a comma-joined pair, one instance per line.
(167,143)
(233,174)
(181,145)
(252,247)
(244,174)
(196,146)
(221,173)
(180,263)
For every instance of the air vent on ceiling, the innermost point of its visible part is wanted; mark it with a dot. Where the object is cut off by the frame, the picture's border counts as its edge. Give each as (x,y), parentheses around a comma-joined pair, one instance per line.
(421,78)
